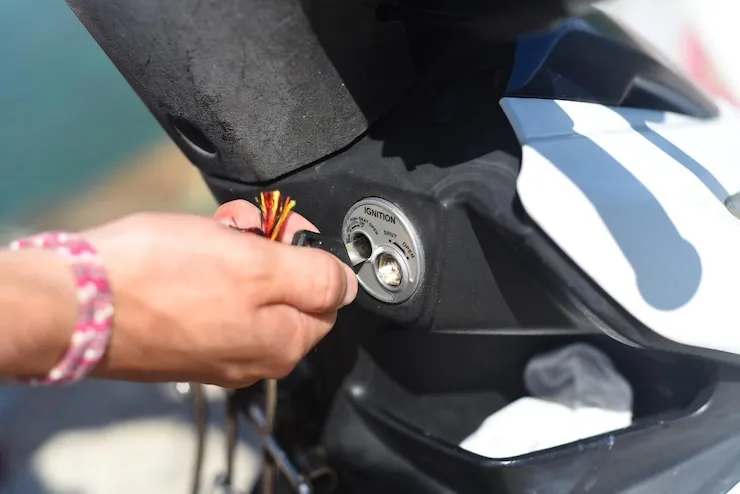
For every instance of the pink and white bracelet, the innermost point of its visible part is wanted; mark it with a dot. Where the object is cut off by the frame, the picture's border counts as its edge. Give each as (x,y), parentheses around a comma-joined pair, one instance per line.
(93,328)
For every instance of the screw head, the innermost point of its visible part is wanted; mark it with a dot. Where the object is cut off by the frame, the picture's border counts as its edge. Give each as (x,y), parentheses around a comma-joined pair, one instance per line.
(389,270)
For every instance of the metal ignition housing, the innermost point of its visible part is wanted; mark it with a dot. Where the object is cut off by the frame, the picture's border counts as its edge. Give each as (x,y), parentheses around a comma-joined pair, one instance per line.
(395,258)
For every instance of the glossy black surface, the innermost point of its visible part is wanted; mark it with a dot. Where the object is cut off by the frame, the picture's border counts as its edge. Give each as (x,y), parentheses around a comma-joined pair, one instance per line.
(592,59)
(683,408)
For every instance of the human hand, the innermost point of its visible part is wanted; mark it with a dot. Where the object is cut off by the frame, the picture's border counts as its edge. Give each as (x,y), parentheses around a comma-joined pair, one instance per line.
(196,301)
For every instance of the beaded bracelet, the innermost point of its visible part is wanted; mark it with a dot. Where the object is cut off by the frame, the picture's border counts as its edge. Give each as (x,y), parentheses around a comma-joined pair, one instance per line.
(93,328)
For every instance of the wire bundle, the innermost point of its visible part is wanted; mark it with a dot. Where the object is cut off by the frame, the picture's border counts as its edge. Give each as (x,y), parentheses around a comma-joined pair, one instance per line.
(274,210)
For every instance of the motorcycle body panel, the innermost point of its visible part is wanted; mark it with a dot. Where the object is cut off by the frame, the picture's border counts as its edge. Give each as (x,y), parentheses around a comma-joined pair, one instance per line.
(636,198)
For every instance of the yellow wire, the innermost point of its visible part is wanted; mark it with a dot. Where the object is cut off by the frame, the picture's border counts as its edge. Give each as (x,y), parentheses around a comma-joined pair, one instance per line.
(283,216)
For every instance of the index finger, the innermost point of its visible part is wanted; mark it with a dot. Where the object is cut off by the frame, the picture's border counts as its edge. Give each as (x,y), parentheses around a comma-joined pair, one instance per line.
(244,214)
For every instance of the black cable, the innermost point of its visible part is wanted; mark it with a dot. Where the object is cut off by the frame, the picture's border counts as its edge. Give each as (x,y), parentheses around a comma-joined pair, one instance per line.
(232,433)
(269,471)
(201,420)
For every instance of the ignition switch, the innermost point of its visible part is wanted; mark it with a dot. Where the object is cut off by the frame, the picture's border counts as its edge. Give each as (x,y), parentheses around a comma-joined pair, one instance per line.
(395,262)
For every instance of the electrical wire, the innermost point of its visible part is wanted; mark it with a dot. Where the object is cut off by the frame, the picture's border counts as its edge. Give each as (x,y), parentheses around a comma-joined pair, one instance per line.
(232,433)
(269,470)
(274,211)
(201,421)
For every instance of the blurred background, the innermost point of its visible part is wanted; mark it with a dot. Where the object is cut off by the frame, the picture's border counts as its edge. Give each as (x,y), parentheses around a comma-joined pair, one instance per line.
(79,148)
(78,145)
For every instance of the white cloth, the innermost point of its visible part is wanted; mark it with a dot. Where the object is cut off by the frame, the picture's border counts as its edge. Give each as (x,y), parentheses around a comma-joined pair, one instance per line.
(579,394)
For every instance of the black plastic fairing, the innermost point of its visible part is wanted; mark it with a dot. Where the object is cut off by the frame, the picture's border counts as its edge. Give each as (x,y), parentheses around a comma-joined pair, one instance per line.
(254,89)
(593,59)
(502,20)
(268,85)
(449,159)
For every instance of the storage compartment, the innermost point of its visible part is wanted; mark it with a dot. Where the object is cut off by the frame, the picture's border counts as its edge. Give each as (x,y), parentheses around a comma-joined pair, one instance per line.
(412,397)
(447,385)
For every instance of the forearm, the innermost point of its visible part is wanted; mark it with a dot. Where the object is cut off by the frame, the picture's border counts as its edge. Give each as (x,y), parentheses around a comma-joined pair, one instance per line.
(38,310)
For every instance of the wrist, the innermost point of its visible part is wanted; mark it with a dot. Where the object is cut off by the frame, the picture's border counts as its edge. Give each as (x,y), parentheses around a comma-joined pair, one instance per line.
(38,311)
(137,327)
(92,299)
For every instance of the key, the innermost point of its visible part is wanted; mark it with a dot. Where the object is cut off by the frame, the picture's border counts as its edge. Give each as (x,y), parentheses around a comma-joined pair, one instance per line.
(352,254)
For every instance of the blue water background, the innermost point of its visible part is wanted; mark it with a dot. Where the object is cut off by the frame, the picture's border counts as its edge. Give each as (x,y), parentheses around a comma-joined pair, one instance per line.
(67,116)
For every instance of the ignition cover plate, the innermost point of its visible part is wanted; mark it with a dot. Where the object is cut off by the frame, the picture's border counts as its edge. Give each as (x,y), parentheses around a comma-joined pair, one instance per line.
(394,270)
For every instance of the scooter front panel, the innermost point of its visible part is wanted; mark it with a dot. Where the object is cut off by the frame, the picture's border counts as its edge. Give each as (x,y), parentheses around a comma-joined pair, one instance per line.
(635,198)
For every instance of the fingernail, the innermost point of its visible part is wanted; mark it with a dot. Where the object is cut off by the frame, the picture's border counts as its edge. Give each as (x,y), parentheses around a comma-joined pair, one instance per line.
(229,222)
(351,292)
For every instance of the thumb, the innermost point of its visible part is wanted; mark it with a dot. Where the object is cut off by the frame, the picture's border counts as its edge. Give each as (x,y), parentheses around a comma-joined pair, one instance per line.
(311,280)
